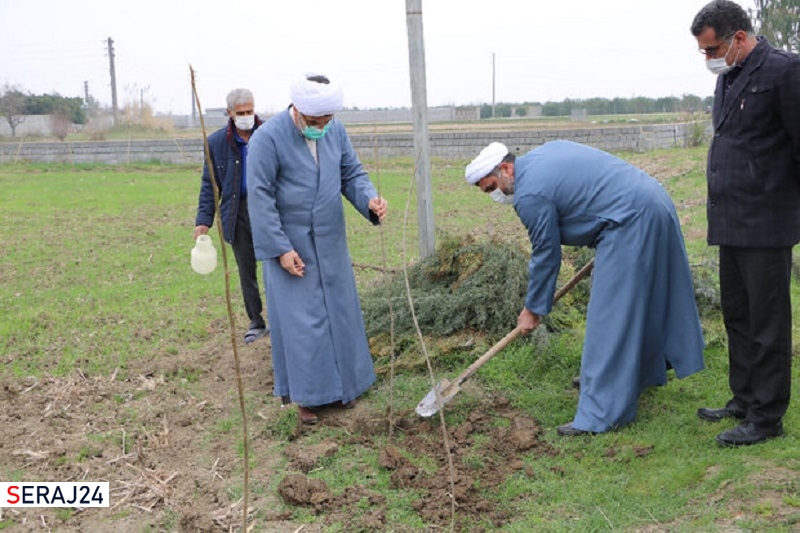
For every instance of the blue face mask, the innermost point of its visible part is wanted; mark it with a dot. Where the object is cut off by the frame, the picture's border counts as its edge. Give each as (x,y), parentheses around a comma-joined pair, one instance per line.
(315,134)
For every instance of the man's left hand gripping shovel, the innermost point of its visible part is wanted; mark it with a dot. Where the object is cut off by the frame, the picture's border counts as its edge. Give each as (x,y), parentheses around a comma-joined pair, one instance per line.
(445,390)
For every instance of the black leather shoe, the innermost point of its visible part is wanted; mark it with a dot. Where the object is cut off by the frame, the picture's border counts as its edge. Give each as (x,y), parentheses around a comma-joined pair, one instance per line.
(576,383)
(748,433)
(568,431)
(715,415)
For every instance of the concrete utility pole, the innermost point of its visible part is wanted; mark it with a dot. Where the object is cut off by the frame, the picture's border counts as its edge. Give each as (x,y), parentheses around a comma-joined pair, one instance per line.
(419,109)
(86,91)
(493,84)
(113,81)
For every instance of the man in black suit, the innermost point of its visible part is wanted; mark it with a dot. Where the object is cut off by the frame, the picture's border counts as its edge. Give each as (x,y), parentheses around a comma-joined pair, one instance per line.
(753,210)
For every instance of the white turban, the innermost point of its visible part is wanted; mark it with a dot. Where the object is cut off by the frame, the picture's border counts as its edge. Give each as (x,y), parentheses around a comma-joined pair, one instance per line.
(487,160)
(316,99)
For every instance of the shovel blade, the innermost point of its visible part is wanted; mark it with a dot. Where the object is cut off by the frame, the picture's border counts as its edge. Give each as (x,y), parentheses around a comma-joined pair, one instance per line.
(442,393)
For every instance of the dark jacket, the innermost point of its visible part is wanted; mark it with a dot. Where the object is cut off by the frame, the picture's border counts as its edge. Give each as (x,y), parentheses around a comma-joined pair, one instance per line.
(227,161)
(754,159)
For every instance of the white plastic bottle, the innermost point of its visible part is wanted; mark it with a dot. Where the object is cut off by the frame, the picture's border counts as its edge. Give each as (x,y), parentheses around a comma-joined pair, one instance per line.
(204,255)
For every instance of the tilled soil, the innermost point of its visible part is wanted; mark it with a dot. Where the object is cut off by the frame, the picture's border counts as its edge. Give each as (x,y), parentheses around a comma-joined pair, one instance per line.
(451,491)
(165,435)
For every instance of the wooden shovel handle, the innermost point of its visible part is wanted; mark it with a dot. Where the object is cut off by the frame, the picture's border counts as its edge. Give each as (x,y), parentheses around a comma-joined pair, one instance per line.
(502,343)
(513,334)
(579,275)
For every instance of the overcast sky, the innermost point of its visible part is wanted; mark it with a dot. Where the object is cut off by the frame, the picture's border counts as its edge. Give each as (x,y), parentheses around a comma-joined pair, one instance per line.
(543,50)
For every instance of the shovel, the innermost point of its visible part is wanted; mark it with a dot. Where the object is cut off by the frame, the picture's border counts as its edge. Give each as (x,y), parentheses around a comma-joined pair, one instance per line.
(445,390)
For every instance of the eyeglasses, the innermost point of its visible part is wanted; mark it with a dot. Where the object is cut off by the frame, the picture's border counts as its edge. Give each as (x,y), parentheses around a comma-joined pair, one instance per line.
(712,50)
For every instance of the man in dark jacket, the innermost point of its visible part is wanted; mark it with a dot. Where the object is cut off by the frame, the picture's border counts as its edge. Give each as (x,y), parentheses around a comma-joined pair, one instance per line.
(753,210)
(228,147)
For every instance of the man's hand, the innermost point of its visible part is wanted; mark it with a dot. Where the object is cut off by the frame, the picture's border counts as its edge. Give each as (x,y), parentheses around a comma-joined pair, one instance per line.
(292,263)
(378,206)
(200,230)
(528,321)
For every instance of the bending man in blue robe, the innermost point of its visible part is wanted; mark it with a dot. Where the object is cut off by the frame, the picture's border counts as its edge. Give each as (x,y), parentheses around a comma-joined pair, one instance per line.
(642,314)
(300,164)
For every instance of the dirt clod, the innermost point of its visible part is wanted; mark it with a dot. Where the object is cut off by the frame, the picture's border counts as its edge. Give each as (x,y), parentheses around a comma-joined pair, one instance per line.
(297,489)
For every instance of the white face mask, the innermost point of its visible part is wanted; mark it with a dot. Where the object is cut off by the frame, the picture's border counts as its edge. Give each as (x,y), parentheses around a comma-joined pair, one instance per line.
(245,123)
(719,65)
(500,197)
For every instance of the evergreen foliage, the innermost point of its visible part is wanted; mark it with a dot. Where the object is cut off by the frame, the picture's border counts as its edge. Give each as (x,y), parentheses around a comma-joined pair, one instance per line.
(705,276)
(467,288)
(55,104)
(464,285)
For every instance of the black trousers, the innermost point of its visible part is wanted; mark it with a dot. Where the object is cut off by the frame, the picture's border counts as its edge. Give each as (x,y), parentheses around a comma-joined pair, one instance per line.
(246,262)
(756,306)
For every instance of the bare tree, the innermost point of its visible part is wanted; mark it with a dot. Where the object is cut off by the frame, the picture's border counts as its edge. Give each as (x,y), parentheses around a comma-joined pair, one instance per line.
(12,106)
(60,123)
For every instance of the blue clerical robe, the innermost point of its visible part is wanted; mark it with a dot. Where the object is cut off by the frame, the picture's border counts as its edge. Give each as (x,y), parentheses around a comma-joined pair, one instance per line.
(642,313)
(320,353)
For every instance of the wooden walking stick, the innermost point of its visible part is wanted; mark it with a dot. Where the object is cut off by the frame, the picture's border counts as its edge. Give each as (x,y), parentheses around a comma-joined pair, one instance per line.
(231,319)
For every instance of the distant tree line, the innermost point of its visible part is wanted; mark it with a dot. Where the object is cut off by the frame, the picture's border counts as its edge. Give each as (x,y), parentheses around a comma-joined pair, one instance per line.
(777,20)
(687,103)
(16,104)
(55,104)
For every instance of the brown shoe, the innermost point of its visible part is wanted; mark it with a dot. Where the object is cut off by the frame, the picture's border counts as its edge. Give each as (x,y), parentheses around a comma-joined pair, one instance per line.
(306,415)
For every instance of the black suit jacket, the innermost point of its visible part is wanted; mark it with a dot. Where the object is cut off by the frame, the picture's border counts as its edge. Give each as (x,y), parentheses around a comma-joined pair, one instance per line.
(754,159)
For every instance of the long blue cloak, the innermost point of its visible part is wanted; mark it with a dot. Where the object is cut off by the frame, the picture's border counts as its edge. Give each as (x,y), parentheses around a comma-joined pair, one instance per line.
(642,313)
(320,353)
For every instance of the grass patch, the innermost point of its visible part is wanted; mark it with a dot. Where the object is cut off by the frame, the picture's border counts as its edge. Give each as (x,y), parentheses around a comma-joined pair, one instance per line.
(96,277)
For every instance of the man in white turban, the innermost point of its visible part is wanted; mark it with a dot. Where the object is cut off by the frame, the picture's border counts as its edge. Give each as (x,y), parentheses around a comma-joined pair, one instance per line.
(300,164)
(642,318)
(316,96)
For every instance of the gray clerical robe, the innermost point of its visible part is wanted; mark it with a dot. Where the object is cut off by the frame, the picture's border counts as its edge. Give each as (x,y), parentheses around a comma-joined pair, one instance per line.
(642,313)
(319,348)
